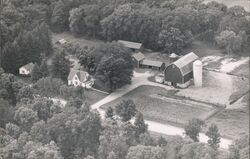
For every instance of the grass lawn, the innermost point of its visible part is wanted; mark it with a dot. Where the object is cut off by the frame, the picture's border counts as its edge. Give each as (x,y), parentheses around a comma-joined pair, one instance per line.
(163,110)
(93,96)
(231,123)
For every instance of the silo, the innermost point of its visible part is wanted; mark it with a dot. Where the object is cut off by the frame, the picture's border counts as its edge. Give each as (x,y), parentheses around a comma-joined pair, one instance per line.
(197,72)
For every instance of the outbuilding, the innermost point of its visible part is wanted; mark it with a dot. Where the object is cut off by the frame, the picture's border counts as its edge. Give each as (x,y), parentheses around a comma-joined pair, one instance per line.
(180,72)
(138,58)
(132,45)
(154,65)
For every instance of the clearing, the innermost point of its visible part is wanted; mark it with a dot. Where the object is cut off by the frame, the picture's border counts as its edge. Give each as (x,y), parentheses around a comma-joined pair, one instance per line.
(82,41)
(150,101)
(218,88)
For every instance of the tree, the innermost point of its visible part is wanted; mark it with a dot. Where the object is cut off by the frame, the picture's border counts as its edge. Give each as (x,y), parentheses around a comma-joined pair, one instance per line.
(196,150)
(140,125)
(25,92)
(76,132)
(59,17)
(60,66)
(173,39)
(230,41)
(6,112)
(214,136)
(239,148)
(193,128)
(44,69)
(25,117)
(126,109)
(145,152)
(36,74)
(39,132)
(43,107)
(110,113)
(162,142)
(115,67)
(48,86)
(85,20)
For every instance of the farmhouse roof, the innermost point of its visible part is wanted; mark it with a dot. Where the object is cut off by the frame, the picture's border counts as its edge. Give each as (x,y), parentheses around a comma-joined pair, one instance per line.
(29,67)
(139,56)
(129,44)
(185,63)
(152,63)
(82,75)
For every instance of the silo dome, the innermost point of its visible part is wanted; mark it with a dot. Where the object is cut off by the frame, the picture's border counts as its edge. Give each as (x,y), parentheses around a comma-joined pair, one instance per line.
(197,72)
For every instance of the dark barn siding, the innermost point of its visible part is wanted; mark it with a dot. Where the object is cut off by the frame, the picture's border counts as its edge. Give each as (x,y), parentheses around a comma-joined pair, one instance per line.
(173,74)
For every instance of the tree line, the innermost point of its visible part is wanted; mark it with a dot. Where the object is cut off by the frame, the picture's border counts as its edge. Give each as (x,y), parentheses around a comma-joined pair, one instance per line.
(164,25)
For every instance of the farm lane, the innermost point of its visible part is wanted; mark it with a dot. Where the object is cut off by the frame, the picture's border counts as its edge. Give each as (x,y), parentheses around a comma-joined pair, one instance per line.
(140,79)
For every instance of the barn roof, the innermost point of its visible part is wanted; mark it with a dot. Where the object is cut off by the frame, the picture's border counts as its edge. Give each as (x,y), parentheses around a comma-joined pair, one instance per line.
(139,56)
(152,63)
(82,75)
(185,63)
(29,66)
(129,44)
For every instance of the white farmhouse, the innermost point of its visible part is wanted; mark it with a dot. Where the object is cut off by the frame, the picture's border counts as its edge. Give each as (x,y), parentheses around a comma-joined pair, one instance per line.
(26,69)
(79,78)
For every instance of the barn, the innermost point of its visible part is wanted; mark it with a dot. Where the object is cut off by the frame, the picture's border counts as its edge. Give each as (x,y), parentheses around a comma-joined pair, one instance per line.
(132,45)
(180,72)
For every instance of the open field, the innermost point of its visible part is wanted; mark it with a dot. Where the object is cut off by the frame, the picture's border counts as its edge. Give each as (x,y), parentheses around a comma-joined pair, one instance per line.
(70,38)
(231,123)
(164,109)
(230,3)
(218,88)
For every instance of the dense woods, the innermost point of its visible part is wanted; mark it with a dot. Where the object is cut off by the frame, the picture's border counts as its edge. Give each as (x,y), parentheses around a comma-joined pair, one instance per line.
(33,127)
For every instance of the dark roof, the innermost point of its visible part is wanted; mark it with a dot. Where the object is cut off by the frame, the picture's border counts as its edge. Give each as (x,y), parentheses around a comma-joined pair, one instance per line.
(152,63)
(29,66)
(185,63)
(82,75)
(139,56)
(129,44)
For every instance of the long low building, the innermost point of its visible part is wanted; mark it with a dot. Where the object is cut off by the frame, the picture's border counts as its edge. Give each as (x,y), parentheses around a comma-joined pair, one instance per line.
(132,45)
(154,65)
(140,61)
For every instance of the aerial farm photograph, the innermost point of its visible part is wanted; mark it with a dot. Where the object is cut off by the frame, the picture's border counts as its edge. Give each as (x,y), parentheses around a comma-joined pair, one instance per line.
(124,79)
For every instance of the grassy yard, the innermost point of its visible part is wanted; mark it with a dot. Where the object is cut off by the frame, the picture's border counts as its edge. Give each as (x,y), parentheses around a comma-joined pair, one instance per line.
(161,109)
(93,96)
(231,123)
(218,88)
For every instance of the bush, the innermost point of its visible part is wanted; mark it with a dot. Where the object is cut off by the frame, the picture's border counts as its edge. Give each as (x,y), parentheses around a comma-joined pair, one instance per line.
(71,91)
